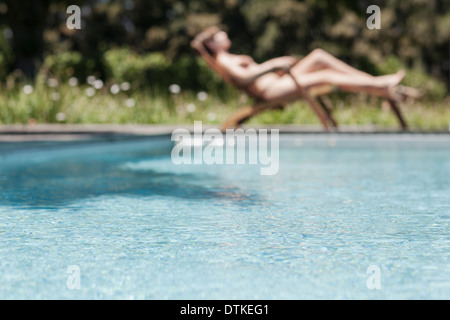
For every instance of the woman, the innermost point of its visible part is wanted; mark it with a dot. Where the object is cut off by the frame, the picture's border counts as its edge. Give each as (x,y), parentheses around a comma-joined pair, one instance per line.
(271,81)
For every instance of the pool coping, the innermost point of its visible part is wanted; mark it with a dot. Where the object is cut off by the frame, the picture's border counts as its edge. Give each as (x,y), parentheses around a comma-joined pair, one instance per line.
(17,138)
(46,135)
(84,132)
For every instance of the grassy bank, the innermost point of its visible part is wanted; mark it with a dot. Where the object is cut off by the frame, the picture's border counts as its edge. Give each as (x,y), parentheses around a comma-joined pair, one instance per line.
(51,101)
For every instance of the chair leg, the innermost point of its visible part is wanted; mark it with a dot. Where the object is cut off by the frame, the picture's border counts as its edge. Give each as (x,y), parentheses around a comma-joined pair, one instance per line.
(245,113)
(312,103)
(398,113)
(318,110)
(237,118)
(328,112)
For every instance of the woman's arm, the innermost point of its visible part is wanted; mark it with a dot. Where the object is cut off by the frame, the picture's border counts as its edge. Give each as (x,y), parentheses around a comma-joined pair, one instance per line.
(249,73)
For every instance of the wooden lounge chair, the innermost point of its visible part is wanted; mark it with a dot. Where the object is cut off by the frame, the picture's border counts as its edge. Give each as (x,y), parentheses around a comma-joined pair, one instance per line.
(313,96)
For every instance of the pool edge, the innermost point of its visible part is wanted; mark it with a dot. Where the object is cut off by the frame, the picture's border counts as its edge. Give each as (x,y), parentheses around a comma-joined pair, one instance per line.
(67,134)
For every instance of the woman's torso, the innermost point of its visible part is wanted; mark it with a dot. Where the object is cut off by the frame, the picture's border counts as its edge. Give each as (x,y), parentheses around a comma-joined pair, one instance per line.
(258,87)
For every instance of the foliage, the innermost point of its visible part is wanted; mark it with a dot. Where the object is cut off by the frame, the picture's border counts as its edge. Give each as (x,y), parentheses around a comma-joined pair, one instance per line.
(431,88)
(146,44)
(6,57)
(416,31)
(125,65)
(48,100)
(68,64)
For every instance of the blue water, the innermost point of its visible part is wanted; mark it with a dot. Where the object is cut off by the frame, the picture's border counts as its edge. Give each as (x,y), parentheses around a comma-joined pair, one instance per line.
(139,227)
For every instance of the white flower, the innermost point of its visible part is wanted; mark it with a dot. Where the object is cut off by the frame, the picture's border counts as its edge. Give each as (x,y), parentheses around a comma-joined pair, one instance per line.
(125,86)
(174,88)
(212,116)
(90,80)
(55,96)
(190,107)
(60,116)
(27,89)
(202,96)
(90,92)
(52,82)
(73,81)
(114,89)
(98,84)
(130,103)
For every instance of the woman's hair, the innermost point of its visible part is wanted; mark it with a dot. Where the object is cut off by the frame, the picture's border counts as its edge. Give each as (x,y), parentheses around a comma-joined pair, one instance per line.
(199,43)
(204,37)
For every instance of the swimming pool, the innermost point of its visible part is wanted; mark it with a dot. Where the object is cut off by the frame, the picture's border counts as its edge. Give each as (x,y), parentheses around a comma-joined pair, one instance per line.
(135,226)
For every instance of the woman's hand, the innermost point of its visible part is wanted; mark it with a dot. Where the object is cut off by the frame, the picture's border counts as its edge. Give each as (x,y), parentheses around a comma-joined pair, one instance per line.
(283,63)
(195,44)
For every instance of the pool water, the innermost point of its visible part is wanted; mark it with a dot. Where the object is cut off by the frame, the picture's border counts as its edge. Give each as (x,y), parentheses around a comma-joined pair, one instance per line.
(136,226)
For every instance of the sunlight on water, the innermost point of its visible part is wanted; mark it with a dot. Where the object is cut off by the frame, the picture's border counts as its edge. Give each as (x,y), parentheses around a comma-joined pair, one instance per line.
(139,227)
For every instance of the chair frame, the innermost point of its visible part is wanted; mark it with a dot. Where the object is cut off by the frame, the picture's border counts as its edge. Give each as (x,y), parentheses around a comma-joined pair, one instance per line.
(313,96)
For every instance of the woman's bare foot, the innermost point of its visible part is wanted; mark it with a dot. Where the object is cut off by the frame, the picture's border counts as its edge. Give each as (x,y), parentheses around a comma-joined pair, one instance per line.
(390,83)
(390,80)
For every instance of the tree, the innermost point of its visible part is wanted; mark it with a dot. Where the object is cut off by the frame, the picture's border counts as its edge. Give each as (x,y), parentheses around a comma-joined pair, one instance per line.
(27,23)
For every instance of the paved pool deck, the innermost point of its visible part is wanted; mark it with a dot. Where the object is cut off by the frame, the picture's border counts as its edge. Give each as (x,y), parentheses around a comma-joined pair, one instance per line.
(108,132)
(44,136)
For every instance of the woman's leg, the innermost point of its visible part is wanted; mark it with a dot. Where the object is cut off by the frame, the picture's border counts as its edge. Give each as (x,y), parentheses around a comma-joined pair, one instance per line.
(320,59)
(380,86)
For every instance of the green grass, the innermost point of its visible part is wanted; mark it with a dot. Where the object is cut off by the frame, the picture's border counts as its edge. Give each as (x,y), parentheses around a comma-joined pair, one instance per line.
(82,104)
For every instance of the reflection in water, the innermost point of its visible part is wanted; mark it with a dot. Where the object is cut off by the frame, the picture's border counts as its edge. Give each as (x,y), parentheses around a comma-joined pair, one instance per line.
(57,183)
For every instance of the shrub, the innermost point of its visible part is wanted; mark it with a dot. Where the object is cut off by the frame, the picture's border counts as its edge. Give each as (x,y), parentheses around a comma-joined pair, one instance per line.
(432,88)
(125,65)
(157,71)
(70,63)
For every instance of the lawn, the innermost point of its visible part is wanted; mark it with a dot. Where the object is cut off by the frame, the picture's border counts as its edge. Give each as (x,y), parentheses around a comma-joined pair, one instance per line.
(52,101)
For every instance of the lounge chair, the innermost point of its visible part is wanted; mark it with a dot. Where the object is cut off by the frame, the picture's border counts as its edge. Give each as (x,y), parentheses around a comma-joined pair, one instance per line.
(313,96)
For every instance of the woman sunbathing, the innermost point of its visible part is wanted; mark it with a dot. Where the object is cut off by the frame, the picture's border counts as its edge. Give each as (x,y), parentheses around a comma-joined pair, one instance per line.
(279,79)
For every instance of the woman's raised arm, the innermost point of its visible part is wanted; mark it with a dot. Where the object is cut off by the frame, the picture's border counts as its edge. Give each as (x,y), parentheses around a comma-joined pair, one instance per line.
(249,73)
